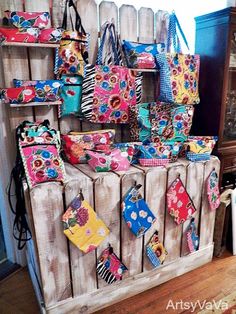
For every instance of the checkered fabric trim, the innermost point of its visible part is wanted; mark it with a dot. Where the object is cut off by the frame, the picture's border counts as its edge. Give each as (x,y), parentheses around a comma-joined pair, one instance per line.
(153,162)
(197,157)
(152,256)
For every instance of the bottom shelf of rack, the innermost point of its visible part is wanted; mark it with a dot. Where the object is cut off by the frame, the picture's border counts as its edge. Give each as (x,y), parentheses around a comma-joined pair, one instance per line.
(36,104)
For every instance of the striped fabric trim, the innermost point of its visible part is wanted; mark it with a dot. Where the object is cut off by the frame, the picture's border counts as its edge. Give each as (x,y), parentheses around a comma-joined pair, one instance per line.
(105,273)
(138,87)
(87,91)
(153,162)
(197,157)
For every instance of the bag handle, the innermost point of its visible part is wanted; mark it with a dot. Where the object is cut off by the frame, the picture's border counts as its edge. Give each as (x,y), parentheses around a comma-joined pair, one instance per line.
(173,36)
(109,27)
(78,23)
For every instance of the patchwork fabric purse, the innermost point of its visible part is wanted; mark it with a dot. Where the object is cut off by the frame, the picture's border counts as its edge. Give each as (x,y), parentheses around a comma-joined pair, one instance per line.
(50,35)
(45,91)
(192,237)
(179,73)
(179,203)
(24,20)
(82,226)
(199,148)
(115,159)
(72,54)
(136,212)
(109,90)
(75,143)
(109,266)
(155,251)
(142,56)
(18,95)
(71,95)
(213,192)
(39,148)
(140,125)
(24,35)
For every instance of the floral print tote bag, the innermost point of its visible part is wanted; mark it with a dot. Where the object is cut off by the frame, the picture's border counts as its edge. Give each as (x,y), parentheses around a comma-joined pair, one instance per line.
(82,226)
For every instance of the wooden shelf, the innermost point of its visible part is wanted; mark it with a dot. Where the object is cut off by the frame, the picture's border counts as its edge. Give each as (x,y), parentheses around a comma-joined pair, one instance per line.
(30,45)
(36,104)
(145,70)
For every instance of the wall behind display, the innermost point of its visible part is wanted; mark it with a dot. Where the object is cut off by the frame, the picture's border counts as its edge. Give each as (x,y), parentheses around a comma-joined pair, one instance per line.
(185,10)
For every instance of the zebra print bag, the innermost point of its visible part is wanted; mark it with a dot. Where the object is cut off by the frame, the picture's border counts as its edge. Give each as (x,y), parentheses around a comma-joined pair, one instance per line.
(109,88)
(109,266)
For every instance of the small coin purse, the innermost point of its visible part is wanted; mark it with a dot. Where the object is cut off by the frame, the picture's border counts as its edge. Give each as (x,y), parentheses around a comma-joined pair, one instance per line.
(179,204)
(155,251)
(109,266)
(192,237)
(136,212)
(213,192)
(82,226)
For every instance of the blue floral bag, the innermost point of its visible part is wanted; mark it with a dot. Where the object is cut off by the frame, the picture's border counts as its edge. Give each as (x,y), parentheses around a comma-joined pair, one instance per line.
(142,56)
(46,91)
(71,95)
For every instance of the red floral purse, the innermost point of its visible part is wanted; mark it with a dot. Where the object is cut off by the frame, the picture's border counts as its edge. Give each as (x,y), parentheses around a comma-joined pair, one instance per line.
(16,95)
(24,35)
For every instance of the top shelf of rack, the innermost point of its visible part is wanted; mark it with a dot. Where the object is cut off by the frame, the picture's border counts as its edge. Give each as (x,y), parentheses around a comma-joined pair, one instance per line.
(30,45)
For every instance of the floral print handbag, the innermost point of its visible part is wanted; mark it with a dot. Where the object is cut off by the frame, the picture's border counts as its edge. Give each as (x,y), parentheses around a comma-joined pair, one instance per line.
(179,203)
(50,35)
(24,20)
(25,35)
(18,95)
(179,73)
(140,125)
(109,267)
(82,226)
(136,212)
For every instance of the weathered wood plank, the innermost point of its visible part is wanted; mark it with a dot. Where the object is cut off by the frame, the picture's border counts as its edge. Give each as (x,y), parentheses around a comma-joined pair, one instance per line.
(131,246)
(69,123)
(207,215)
(146,25)
(128,22)
(173,232)
(155,196)
(58,8)
(107,206)
(83,272)
(47,209)
(194,184)
(108,11)
(162,24)
(133,285)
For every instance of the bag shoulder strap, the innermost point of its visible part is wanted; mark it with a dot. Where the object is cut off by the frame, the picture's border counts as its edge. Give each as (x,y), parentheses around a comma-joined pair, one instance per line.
(173,36)
(78,23)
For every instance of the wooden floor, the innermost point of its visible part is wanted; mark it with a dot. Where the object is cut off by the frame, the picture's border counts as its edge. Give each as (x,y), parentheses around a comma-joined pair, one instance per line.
(213,281)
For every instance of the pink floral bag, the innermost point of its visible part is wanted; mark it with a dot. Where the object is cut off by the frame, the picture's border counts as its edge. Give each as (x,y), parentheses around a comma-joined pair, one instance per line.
(213,192)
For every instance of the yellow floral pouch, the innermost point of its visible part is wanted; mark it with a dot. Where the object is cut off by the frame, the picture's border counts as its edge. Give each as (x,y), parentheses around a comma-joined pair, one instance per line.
(82,225)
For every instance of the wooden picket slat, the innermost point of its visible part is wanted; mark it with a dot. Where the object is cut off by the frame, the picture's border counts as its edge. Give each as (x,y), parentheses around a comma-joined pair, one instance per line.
(131,246)
(58,8)
(146,25)
(108,11)
(173,232)
(194,185)
(47,209)
(83,272)
(128,22)
(155,196)
(207,215)
(162,24)
(107,206)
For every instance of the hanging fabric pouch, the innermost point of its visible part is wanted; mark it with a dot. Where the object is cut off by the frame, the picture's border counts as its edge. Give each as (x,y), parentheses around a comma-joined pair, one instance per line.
(136,212)
(82,226)
(155,251)
(192,237)
(213,192)
(109,266)
(179,203)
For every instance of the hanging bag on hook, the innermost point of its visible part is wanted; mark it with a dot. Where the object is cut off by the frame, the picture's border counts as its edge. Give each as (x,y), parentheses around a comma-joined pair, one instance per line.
(73,51)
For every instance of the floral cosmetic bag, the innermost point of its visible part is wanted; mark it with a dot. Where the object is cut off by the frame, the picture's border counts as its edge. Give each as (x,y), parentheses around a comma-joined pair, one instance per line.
(24,35)
(213,192)
(28,19)
(82,226)
(110,267)
(155,251)
(192,237)
(179,204)
(142,56)
(17,95)
(115,159)
(45,91)
(136,212)
(201,144)
(50,35)
(74,144)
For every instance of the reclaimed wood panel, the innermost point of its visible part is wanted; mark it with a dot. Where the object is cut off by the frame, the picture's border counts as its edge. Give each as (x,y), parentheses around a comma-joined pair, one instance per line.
(83,270)
(107,206)
(133,285)
(207,215)
(131,246)
(162,24)
(146,25)
(58,8)
(155,196)
(128,22)
(173,232)
(194,184)
(47,209)
(108,11)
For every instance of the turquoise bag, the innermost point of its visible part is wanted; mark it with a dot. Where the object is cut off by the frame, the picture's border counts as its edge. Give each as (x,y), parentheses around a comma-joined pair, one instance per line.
(71,95)
(140,125)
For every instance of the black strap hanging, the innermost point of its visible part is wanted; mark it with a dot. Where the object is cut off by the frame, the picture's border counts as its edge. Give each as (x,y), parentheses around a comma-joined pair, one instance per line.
(78,24)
